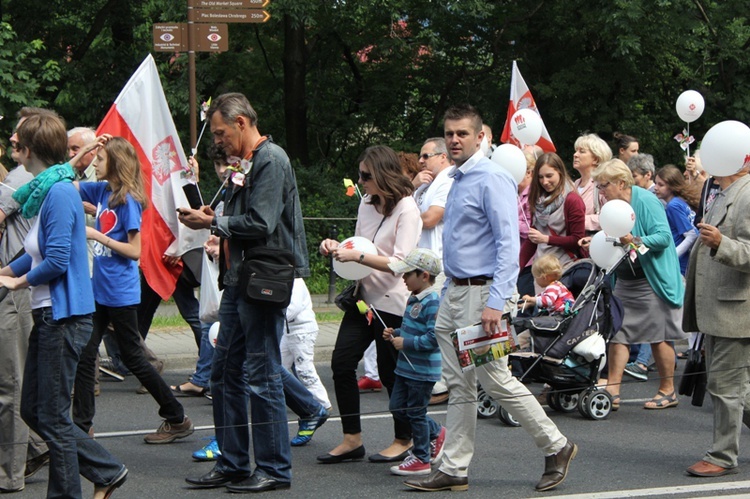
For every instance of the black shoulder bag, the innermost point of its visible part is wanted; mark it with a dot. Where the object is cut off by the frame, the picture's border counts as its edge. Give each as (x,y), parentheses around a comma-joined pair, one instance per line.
(267,274)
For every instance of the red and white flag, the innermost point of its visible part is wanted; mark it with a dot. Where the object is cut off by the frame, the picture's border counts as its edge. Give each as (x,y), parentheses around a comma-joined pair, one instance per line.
(521,98)
(141,115)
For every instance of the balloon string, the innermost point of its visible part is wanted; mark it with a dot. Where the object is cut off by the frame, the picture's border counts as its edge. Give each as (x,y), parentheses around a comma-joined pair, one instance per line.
(687,139)
(523,212)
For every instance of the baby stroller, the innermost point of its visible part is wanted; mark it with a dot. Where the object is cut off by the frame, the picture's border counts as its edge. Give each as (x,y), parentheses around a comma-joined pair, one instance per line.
(568,351)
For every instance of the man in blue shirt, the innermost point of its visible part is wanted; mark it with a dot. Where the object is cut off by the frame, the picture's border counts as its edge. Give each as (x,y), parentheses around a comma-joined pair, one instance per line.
(480,258)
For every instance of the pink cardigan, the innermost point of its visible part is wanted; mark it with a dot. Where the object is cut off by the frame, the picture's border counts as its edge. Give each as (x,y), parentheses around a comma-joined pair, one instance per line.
(397,236)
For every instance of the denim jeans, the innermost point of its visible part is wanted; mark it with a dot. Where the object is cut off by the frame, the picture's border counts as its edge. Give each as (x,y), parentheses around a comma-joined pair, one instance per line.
(249,337)
(409,401)
(124,321)
(54,350)
(184,298)
(202,375)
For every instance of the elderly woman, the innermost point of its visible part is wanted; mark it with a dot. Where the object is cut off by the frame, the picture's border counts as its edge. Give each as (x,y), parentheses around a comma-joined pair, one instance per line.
(643,170)
(389,217)
(650,286)
(590,152)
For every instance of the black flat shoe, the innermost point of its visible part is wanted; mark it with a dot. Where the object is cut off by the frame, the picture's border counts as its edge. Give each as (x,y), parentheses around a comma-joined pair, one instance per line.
(257,483)
(177,391)
(380,458)
(353,455)
(214,479)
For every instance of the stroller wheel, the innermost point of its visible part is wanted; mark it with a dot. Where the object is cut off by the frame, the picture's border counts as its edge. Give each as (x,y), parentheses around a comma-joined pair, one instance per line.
(567,401)
(583,403)
(506,418)
(597,404)
(486,407)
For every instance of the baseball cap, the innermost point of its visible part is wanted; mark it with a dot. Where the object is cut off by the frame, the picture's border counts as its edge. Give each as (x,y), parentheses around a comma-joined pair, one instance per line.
(419,258)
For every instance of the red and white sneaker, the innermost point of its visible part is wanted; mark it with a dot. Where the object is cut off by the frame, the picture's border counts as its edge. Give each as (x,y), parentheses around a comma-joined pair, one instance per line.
(369,385)
(436,446)
(412,465)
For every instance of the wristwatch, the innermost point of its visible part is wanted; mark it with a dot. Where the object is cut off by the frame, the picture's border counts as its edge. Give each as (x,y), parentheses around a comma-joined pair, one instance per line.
(362,257)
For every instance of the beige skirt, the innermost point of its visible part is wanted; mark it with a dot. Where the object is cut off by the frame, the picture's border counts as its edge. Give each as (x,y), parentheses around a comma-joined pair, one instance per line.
(647,318)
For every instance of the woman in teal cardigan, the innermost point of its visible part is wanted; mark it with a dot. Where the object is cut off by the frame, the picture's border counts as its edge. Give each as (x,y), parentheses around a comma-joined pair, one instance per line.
(650,286)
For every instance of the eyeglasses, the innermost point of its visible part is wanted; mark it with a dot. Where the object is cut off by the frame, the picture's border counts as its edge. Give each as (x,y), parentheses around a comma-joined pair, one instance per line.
(601,187)
(365,176)
(426,156)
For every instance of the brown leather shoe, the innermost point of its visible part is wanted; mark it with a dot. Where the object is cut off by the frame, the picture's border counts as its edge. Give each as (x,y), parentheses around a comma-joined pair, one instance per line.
(556,467)
(438,480)
(169,432)
(706,469)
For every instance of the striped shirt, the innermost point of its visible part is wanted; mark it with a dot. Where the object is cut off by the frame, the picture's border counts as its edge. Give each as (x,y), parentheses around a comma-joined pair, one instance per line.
(554,298)
(420,343)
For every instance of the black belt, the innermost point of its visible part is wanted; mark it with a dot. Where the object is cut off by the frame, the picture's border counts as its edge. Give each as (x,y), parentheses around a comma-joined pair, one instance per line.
(472,281)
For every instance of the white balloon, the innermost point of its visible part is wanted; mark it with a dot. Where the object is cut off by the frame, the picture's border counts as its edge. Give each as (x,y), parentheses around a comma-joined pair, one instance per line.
(726,148)
(512,159)
(526,125)
(690,105)
(213,334)
(617,217)
(604,253)
(354,270)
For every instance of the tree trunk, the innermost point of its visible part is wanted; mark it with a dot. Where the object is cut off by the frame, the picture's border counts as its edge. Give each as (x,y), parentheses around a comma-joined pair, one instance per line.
(295,104)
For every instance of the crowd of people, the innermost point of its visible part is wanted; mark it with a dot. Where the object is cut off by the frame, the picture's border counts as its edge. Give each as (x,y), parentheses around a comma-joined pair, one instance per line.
(458,241)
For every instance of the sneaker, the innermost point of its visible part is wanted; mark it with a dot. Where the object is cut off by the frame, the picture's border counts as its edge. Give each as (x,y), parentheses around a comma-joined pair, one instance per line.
(412,465)
(169,432)
(307,427)
(436,446)
(209,452)
(637,371)
(369,385)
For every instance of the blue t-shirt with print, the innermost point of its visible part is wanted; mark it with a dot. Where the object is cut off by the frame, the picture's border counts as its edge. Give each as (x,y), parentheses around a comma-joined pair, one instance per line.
(680,218)
(116,282)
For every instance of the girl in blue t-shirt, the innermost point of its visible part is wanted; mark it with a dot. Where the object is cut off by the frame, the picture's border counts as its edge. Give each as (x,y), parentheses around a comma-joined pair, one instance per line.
(671,187)
(119,198)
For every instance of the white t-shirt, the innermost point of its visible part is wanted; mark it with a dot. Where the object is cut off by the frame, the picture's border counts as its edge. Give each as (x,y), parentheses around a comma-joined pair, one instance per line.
(433,194)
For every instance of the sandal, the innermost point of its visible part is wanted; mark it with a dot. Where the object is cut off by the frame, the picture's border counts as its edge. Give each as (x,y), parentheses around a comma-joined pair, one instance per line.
(615,403)
(662,401)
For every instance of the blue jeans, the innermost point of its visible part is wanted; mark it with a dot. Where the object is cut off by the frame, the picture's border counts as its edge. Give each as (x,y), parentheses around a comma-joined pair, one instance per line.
(250,336)
(644,354)
(409,400)
(202,375)
(54,350)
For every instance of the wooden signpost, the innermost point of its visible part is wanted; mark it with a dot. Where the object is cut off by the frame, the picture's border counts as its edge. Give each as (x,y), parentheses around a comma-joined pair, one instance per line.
(205,32)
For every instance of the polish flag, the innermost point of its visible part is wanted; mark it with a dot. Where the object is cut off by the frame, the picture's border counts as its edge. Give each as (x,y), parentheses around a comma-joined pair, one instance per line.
(141,115)
(521,98)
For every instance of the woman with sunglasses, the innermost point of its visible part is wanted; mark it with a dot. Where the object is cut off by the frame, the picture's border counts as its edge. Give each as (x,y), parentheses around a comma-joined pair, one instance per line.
(389,217)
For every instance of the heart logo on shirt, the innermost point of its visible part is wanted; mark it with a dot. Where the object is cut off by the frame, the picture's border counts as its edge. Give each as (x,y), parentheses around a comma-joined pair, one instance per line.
(107,221)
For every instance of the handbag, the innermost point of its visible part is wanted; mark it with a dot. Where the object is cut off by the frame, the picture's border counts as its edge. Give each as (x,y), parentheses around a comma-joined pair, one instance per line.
(693,380)
(348,298)
(267,276)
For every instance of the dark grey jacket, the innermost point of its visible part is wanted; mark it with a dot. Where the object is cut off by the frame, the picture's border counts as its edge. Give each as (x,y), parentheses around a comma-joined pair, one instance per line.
(264,212)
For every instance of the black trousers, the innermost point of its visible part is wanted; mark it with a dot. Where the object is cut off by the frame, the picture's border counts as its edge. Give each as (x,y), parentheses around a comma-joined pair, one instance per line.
(353,339)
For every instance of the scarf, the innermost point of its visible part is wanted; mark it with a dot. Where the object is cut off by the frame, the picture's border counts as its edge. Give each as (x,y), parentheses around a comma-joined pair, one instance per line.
(542,211)
(31,195)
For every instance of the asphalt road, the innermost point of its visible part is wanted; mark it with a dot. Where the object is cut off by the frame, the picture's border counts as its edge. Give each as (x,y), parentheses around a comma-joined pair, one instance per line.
(634,453)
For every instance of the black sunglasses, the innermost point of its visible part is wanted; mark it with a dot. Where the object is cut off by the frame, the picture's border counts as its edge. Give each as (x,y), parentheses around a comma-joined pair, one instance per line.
(365,176)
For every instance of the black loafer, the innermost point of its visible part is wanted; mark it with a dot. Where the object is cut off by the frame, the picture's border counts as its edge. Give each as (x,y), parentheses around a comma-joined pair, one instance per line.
(257,483)
(214,479)
(380,458)
(353,455)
